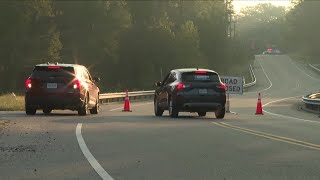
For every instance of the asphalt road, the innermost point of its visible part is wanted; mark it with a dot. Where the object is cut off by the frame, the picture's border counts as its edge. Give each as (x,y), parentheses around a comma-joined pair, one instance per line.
(282,144)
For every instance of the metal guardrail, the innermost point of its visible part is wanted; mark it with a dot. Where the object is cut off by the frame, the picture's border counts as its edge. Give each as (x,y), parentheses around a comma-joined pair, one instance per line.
(253,78)
(312,101)
(119,97)
(313,67)
(312,104)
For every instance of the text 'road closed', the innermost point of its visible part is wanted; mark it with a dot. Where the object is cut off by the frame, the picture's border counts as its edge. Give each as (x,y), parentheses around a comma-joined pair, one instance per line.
(234,84)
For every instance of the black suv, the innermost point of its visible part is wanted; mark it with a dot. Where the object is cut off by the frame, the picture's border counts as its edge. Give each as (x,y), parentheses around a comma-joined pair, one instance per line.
(191,90)
(61,86)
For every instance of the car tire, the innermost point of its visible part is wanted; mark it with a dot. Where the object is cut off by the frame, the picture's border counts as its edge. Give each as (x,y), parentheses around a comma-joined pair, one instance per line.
(95,109)
(220,113)
(83,110)
(201,114)
(157,110)
(46,111)
(173,110)
(30,111)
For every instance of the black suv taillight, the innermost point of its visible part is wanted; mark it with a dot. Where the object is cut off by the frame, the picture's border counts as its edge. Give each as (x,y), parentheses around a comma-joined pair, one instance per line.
(180,86)
(28,83)
(222,86)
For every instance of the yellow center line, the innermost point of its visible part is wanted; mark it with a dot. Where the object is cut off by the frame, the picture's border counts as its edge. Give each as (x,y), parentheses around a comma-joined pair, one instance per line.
(270,136)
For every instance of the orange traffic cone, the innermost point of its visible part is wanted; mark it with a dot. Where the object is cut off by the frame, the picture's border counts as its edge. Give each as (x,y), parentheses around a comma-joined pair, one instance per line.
(259,110)
(126,107)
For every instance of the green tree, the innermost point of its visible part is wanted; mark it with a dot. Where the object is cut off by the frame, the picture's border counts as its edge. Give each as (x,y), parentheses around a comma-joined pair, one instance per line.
(25,39)
(127,43)
(262,26)
(303,28)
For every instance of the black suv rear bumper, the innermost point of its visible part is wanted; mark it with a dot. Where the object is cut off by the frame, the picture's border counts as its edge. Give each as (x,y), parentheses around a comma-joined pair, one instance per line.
(194,105)
(53,102)
(201,106)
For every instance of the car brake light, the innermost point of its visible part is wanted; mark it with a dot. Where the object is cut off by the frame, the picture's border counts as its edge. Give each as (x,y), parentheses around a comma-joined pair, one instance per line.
(28,83)
(200,72)
(224,86)
(76,84)
(53,67)
(180,86)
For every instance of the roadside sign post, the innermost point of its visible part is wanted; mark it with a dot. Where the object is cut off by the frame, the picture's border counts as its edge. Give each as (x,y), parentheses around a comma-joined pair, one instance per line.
(234,86)
(228,104)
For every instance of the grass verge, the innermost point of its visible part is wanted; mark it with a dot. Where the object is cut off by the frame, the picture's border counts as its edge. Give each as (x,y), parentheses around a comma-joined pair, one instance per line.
(9,102)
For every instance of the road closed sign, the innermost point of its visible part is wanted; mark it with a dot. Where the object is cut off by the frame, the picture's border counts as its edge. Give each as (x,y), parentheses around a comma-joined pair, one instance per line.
(234,84)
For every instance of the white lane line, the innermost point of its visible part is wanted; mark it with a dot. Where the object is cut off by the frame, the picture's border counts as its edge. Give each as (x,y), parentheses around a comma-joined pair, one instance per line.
(86,152)
(284,116)
(131,106)
(279,100)
(289,117)
(94,163)
(303,71)
(266,76)
(264,72)
(279,115)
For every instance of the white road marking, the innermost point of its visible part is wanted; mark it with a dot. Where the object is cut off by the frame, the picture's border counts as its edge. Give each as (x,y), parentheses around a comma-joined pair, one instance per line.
(279,100)
(131,106)
(266,77)
(86,152)
(94,163)
(288,117)
(303,71)
(104,175)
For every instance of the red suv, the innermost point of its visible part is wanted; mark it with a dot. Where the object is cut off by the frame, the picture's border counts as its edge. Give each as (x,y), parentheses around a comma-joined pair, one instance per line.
(61,86)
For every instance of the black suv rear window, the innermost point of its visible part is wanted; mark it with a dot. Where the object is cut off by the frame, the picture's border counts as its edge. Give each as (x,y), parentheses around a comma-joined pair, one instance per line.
(194,77)
(55,71)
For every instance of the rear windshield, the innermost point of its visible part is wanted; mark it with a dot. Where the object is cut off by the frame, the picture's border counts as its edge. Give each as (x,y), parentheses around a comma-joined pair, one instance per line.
(193,77)
(45,72)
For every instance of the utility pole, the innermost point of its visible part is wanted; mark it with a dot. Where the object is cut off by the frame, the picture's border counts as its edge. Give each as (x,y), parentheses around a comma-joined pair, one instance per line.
(229,18)
(234,27)
(230,24)
(226,16)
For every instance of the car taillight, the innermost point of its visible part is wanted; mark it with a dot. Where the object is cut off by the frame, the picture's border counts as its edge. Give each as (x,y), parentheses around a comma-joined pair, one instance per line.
(200,72)
(224,86)
(53,67)
(28,83)
(180,86)
(76,84)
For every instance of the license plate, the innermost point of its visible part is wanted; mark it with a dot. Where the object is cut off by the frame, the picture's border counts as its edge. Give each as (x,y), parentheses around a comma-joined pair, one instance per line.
(203,91)
(52,85)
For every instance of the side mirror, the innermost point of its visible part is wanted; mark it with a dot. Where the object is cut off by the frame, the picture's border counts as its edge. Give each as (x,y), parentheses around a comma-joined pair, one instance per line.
(96,79)
(158,84)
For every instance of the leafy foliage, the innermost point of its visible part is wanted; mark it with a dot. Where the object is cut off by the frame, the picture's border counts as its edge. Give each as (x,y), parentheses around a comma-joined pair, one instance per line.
(262,26)
(303,29)
(127,43)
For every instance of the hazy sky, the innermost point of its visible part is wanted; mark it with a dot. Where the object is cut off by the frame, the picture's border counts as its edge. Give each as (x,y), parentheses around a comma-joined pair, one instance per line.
(238,4)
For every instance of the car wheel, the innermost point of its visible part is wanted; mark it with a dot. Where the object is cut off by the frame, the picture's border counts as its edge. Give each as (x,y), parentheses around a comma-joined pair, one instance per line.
(173,111)
(30,111)
(46,111)
(202,113)
(83,110)
(157,110)
(220,113)
(95,109)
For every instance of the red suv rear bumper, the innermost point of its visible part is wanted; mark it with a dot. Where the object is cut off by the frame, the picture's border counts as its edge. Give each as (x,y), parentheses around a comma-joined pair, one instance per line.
(72,102)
